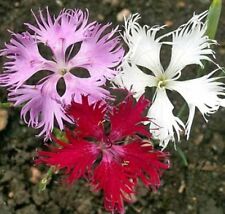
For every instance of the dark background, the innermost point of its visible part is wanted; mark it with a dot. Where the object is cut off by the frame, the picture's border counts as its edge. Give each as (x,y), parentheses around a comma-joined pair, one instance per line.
(197,188)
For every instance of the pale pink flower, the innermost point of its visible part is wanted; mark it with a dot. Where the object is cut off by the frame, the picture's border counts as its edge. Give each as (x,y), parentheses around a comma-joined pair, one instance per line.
(100,53)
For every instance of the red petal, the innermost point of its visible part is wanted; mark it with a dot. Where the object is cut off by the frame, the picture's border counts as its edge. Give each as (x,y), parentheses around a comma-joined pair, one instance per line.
(145,163)
(76,158)
(110,176)
(88,118)
(127,119)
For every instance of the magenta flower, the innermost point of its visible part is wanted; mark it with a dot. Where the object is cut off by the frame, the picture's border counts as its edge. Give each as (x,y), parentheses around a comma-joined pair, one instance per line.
(100,53)
(106,148)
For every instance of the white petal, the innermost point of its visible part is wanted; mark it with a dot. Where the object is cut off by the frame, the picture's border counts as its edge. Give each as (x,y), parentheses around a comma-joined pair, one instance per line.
(164,123)
(190,45)
(135,80)
(222,103)
(144,48)
(202,93)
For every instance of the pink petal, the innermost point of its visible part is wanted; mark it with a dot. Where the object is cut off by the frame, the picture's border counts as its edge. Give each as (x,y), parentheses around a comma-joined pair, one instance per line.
(69,27)
(24,60)
(42,105)
(100,53)
(76,87)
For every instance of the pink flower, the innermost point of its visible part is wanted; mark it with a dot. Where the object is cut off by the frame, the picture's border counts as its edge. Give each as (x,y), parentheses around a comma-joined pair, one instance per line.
(107,149)
(100,53)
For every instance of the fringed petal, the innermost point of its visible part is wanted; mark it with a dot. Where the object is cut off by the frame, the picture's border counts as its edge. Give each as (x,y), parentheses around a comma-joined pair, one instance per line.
(190,45)
(134,80)
(42,105)
(100,53)
(133,124)
(204,93)
(144,47)
(117,186)
(24,60)
(88,117)
(69,27)
(164,124)
(76,87)
(76,158)
(142,161)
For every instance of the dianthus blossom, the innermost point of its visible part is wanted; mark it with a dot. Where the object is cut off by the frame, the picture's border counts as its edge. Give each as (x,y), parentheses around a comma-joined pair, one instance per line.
(100,52)
(190,45)
(107,149)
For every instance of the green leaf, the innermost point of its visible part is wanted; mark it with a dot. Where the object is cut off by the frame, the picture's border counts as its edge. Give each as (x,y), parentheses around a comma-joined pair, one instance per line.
(60,135)
(213,18)
(5,105)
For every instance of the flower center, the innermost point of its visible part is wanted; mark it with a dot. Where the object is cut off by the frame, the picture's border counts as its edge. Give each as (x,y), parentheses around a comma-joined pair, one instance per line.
(162,82)
(62,71)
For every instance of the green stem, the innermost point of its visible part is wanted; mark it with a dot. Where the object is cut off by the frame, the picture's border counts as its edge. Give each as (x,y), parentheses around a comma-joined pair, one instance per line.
(222,73)
(46,179)
(59,134)
(183,156)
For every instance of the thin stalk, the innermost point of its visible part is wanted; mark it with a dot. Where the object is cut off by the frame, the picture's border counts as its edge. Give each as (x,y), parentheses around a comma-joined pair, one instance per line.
(182,156)
(46,179)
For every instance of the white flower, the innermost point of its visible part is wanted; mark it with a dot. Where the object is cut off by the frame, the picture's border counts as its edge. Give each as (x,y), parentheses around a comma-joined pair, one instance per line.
(189,45)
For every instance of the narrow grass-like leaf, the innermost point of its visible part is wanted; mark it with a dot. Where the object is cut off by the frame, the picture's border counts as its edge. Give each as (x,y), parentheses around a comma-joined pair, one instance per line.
(213,18)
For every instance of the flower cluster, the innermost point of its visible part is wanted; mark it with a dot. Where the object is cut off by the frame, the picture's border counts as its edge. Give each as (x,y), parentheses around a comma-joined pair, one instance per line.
(110,145)
(61,35)
(108,150)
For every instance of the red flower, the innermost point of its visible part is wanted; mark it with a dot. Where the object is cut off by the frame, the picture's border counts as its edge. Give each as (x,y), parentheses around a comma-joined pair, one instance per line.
(112,157)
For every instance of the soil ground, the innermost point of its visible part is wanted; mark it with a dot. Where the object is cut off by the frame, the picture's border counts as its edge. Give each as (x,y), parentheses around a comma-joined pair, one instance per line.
(198,188)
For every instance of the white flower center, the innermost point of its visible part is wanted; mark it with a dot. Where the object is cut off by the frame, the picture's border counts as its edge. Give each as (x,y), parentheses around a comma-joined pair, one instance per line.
(162,82)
